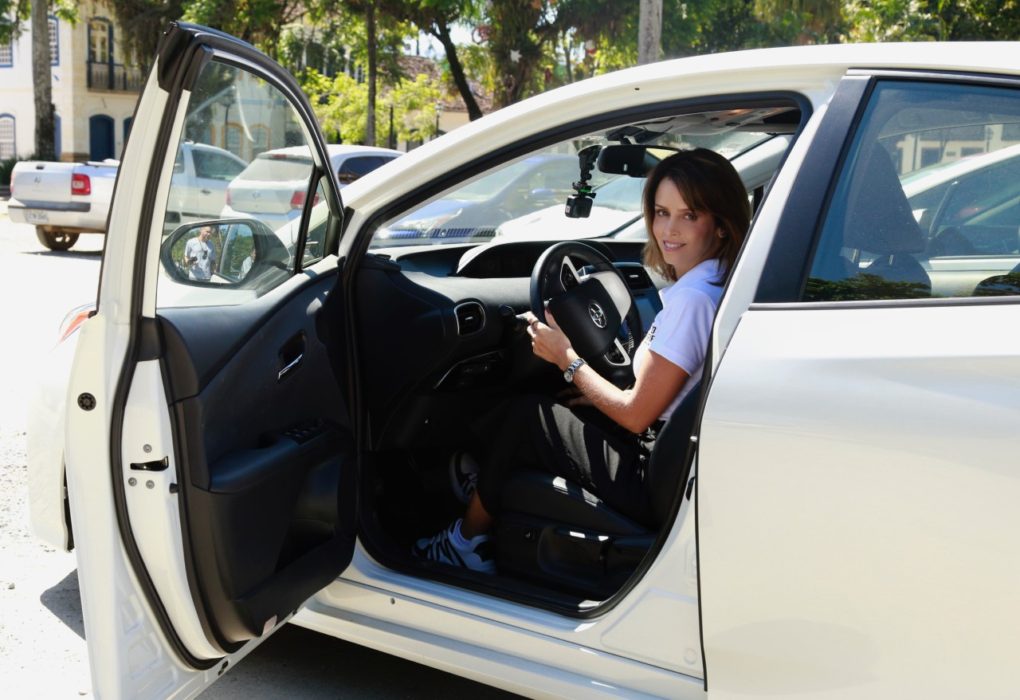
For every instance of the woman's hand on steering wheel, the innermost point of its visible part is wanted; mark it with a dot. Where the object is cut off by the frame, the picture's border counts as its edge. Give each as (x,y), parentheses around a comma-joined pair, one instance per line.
(548,341)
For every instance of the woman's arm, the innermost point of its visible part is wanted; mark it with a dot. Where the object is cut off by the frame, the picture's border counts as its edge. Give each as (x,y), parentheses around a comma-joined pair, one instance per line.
(656,385)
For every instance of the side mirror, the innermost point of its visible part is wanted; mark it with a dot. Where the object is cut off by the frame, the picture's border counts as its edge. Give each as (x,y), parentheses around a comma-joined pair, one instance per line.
(226,252)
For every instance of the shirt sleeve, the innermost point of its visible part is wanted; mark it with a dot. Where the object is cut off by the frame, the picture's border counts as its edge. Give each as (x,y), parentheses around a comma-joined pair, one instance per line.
(683,328)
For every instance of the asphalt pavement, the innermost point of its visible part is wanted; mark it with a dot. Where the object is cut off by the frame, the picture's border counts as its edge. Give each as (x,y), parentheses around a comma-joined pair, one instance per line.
(42,639)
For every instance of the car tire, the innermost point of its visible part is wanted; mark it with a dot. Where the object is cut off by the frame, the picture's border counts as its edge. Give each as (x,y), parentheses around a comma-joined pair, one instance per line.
(55,240)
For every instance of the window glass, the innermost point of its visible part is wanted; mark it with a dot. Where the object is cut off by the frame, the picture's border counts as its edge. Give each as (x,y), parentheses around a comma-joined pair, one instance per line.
(525,198)
(353,168)
(99,40)
(54,41)
(8,148)
(227,240)
(319,224)
(6,55)
(928,203)
(215,165)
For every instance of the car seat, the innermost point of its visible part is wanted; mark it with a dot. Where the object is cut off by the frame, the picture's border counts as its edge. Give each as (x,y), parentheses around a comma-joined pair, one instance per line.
(553,531)
(879,221)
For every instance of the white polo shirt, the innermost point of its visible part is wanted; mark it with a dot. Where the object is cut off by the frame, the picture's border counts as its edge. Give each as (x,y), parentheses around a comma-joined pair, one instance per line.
(680,332)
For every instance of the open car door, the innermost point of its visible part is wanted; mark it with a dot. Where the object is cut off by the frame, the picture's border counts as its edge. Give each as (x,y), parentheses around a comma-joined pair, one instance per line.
(210,457)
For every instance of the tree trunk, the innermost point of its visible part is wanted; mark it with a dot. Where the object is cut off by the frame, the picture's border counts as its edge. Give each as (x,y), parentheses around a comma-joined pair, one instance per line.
(371,48)
(566,56)
(649,31)
(42,80)
(442,32)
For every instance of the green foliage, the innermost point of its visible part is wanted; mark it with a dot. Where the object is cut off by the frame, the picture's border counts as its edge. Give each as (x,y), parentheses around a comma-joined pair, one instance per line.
(341,106)
(932,20)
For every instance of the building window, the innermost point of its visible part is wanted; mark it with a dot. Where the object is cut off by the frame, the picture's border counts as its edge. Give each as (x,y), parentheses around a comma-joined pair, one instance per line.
(6,55)
(8,146)
(100,40)
(54,41)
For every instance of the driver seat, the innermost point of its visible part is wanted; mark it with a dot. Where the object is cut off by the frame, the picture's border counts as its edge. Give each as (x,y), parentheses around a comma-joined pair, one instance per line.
(555,532)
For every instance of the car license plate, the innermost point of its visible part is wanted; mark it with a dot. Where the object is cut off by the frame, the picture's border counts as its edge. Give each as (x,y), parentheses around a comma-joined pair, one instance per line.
(36,217)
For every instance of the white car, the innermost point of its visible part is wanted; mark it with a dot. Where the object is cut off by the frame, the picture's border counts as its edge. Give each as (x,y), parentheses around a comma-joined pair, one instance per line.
(832,514)
(271,187)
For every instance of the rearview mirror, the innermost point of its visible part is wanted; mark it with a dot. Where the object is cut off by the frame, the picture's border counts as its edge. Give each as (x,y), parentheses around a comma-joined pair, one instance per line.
(627,159)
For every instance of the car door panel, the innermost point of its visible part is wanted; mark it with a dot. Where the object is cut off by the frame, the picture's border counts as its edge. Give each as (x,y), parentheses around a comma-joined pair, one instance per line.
(228,495)
(265,456)
(855,495)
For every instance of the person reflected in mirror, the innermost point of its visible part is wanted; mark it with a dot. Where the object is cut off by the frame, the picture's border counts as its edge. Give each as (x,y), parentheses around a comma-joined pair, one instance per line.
(247,263)
(696,212)
(200,255)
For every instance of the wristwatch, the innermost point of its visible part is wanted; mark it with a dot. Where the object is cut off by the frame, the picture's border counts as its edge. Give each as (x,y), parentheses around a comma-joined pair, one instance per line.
(568,373)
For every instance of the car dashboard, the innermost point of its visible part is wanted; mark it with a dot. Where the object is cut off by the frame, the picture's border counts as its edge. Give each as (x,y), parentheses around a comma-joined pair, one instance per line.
(439,338)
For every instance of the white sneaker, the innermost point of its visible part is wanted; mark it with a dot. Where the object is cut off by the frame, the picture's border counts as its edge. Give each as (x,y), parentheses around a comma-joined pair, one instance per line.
(463,475)
(476,555)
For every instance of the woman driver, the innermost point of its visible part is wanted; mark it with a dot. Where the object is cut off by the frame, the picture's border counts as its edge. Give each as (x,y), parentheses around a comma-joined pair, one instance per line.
(697,213)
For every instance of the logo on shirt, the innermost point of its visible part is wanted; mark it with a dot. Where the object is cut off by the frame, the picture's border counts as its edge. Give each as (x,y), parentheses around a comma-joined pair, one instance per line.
(598,316)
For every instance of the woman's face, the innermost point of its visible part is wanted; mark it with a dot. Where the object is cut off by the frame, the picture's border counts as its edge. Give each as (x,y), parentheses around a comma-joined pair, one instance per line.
(684,236)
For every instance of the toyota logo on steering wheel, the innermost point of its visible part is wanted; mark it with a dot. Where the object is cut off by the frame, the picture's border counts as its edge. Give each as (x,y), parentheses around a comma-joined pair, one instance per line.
(598,316)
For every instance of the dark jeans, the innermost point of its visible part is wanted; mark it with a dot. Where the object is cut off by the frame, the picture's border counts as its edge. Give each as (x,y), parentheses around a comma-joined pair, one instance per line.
(580,444)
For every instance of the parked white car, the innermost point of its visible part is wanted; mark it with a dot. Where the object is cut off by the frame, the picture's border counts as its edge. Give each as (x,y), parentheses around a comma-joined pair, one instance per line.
(832,513)
(62,200)
(272,186)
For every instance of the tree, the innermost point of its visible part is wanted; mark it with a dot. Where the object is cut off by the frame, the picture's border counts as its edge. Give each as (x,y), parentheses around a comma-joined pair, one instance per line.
(436,17)
(340,104)
(42,82)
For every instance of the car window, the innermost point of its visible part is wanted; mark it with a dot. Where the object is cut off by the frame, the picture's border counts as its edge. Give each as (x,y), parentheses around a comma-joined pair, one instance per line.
(216,166)
(928,202)
(354,167)
(224,242)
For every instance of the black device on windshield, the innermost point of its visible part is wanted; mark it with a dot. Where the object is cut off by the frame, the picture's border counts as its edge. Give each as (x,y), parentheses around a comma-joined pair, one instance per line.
(579,203)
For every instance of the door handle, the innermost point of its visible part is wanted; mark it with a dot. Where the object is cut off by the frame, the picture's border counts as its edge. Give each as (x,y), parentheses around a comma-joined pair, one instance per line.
(291,355)
(290,367)
(205,191)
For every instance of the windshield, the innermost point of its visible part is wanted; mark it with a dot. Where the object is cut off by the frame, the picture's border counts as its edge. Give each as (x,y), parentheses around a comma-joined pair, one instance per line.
(525,198)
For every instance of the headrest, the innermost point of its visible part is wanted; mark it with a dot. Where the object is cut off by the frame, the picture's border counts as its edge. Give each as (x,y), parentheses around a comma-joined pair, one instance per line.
(878,217)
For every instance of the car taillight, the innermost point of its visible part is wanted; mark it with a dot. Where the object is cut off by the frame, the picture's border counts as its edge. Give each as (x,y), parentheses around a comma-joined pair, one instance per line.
(230,200)
(297,200)
(80,184)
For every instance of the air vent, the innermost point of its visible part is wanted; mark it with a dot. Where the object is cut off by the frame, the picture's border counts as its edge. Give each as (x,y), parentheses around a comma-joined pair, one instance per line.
(470,317)
(636,276)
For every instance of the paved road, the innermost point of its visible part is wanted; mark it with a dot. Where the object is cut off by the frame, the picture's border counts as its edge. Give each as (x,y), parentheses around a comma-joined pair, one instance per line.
(42,639)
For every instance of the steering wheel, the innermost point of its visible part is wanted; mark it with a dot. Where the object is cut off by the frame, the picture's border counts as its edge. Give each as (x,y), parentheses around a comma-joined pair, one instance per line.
(592,305)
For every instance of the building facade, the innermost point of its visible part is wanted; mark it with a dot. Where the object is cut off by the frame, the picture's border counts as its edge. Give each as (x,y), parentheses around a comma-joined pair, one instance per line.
(94,88)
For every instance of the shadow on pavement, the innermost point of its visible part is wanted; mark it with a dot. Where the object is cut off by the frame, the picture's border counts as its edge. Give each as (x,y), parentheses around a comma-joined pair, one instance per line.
(69,254)
(64,601)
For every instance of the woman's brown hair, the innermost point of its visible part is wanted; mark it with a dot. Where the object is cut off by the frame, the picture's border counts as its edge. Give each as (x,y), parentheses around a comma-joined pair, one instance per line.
(710,185)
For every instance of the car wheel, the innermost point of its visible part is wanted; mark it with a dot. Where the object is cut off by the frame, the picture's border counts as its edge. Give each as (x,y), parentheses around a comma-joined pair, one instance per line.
(54,240)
